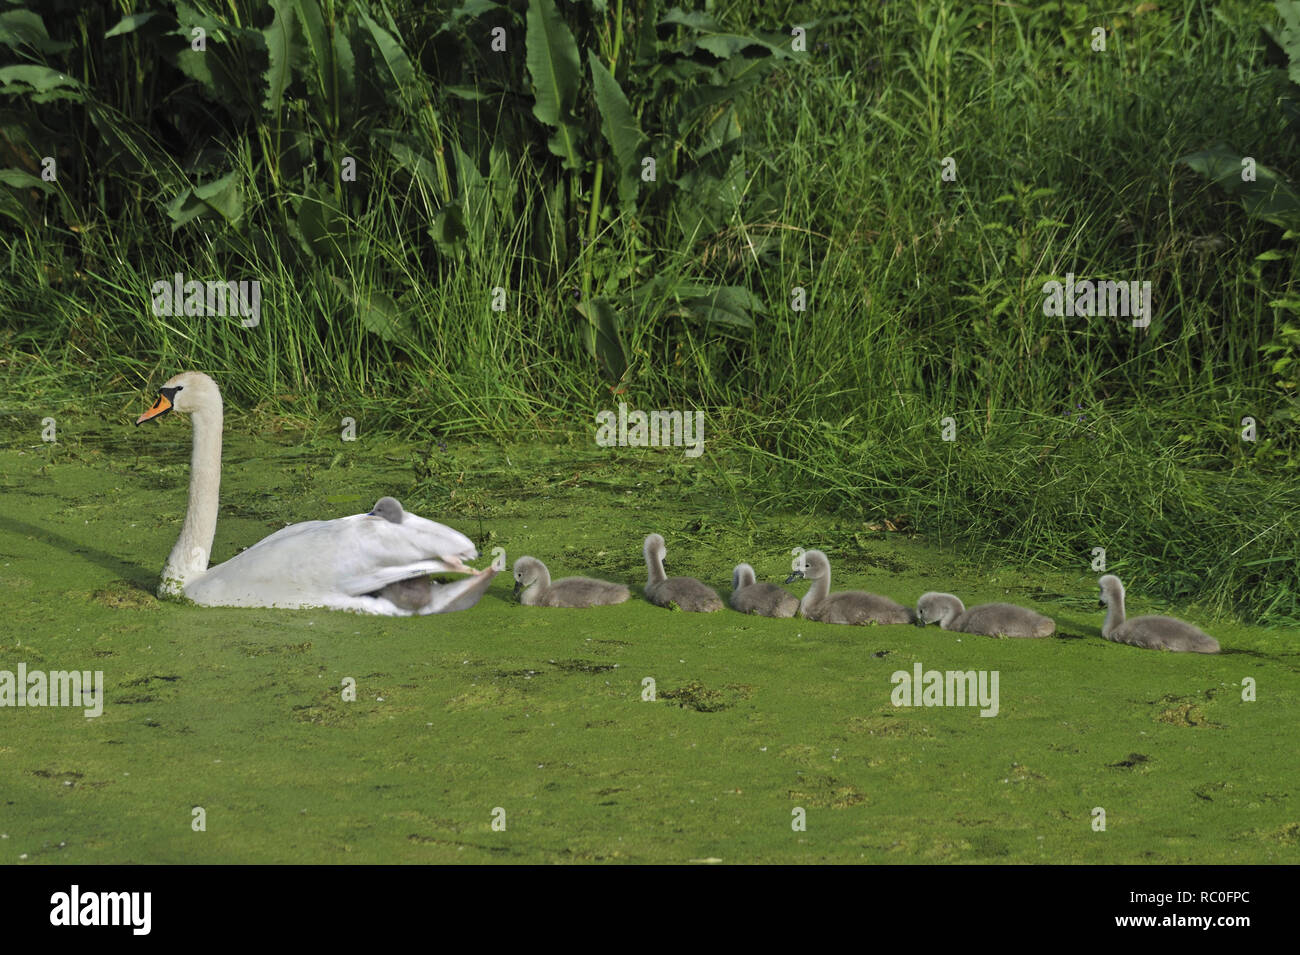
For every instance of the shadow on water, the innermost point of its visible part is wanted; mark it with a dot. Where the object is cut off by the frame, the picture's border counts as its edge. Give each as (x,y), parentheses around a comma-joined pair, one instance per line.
(134,573)
(1270,657)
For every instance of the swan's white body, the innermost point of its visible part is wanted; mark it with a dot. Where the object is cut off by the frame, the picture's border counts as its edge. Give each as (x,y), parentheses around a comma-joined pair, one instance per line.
(342,564)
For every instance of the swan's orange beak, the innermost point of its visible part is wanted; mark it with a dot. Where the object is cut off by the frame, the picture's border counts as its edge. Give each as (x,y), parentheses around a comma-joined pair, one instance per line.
(161,407)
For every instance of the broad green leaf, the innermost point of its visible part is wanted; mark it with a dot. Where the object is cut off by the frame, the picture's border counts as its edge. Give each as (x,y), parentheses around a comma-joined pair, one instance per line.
(729,305)
(647,38)
(395,58)
(20,28)
(322,224)
(215,69)
(694,19)
(129,24)
(333,67)
(470,10)
(377,311)
(502,177)
(550,235)
(471,93)
(448,230)
(722,132)
(705,33)
(416,164)
(1288,38)
(279,52)
(472,188)
(22,179)
(316,35)
(344,65)
(29,77)
(723,45)
(552,60)
(620,128)
(221,196)
(1269,197)
(603,340)
(379,314)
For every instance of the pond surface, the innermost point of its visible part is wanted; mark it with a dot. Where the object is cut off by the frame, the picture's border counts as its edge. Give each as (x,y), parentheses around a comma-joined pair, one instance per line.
(535,718)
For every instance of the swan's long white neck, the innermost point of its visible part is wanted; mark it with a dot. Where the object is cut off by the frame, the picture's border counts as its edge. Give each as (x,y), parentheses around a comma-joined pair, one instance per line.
(1114,611)
(189,558)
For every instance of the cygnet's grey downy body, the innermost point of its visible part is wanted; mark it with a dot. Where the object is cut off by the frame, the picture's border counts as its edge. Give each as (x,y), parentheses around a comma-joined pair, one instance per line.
(764,599)
(1149,632)
(685,593)
(988,620)
(534,588)
(855,607)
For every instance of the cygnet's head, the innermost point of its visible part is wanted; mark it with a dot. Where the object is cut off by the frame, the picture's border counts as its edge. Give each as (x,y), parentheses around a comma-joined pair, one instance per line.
(389,509)
(742,576)
(1110,589)
(812,565)
(528,570)
(654,548)
(188,392)
(937,608)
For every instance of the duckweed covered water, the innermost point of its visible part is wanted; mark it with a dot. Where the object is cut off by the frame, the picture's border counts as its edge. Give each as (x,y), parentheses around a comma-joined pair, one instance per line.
(536,717)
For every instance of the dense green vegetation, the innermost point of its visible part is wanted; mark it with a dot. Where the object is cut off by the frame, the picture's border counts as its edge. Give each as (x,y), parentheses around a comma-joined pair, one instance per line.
(776,168)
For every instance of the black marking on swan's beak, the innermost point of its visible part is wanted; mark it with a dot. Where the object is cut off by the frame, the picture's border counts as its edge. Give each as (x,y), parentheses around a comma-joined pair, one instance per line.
(164,404)
(797,575)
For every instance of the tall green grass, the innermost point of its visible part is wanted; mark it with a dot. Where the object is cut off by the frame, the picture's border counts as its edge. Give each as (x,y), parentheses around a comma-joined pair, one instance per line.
(924,297)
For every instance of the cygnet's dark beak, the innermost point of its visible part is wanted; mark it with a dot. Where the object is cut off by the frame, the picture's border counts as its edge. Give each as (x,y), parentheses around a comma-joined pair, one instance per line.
(919,621)
(797,575)
(518,587)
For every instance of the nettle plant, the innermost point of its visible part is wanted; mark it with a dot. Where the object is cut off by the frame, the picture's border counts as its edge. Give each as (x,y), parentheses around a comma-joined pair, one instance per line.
(606,140)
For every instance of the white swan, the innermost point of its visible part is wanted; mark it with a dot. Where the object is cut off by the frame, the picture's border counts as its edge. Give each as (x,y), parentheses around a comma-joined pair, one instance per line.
(343,564)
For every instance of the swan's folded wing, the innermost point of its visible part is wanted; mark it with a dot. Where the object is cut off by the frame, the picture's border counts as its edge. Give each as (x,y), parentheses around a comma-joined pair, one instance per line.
(378,542)
(311,562)
(383,576)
